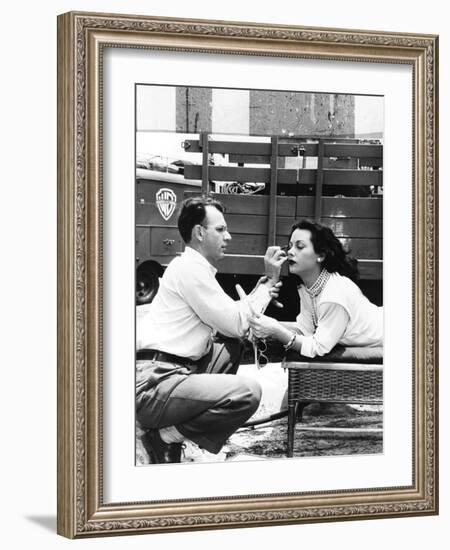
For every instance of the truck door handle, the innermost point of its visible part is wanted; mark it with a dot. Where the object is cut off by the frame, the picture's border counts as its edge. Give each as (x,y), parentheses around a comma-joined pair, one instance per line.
(169,242)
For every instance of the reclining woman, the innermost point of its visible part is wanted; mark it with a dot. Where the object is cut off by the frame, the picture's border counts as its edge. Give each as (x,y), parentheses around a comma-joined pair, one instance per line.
(333,310)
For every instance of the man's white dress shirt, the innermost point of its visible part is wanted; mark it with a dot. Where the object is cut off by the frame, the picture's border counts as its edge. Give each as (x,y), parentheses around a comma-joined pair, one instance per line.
(191,306)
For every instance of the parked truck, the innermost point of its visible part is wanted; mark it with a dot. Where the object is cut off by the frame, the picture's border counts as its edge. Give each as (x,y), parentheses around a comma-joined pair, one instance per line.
(265,185)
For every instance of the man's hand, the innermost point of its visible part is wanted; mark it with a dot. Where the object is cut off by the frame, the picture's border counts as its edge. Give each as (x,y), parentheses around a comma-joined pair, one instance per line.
(273,260)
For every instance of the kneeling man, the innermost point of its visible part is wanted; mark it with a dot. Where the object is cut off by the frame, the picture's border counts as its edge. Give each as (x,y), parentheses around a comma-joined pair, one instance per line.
(187,387)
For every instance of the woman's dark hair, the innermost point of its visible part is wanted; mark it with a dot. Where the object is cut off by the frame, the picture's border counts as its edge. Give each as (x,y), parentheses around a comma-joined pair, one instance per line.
(193,212)
(325,242)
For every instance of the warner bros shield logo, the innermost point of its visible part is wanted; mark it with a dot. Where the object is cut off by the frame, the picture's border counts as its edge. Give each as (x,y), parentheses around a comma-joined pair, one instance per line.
(166,201)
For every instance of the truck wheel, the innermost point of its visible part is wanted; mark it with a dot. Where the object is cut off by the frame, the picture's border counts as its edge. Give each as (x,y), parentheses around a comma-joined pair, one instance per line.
(147,281)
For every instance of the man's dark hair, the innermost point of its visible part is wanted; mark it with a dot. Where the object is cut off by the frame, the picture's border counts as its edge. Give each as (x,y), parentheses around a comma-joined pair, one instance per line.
(193,212)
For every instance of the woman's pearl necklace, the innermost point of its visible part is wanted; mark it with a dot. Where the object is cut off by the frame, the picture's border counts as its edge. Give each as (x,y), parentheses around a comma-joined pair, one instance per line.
(315,289)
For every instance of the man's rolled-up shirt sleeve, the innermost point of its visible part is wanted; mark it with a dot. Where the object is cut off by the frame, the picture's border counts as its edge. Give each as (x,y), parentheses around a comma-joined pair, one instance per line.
(333,320)
(217,310)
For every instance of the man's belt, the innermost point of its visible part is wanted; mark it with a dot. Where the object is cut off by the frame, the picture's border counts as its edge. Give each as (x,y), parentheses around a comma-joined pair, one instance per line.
(156,355)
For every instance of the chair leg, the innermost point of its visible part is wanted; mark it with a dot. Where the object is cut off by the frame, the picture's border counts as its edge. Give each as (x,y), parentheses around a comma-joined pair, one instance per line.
(300,408)
(292,418)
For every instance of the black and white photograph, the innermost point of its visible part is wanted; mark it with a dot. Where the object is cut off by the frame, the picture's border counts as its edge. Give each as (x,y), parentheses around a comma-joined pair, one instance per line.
(259,274)
(247,275)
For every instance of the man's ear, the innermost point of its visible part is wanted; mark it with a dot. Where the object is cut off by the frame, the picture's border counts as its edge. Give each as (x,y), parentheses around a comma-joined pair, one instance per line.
(197,232)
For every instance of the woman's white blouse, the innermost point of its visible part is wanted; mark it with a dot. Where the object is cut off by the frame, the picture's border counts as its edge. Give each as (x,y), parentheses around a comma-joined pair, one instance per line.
(344,316)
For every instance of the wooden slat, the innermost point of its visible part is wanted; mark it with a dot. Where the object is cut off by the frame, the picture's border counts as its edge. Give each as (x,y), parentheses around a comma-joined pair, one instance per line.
(371,249)
(284,150)
(287,176)
(370,269)
(253,243)
(319,184)
(257,205)
(255,224)
(353,177)
(295,149)
(231,147)
(354,227)
(346,150)
(334,163)
(251,265)
(341,177)
(254,148)
(235,173)
(205,163)
(253,209)
(354,150)
(371,162)
(272,225)
(251,204)
(255,265)
(346,207)
(249,159)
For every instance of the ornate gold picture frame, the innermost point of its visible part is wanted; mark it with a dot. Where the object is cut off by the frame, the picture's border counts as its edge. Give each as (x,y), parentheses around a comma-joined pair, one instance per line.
(82,508)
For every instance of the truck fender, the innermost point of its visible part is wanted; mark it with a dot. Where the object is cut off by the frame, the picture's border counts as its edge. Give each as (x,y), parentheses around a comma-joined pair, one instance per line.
(147,281)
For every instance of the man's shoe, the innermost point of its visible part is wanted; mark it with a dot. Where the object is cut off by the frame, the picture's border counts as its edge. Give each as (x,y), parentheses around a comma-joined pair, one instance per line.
(193,453)
(159,451)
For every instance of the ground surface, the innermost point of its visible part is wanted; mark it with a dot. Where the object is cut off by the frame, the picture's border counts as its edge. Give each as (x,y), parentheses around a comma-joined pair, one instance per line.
(268,441)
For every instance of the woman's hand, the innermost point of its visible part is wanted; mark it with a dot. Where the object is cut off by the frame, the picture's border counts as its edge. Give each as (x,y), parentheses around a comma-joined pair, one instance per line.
(264,327)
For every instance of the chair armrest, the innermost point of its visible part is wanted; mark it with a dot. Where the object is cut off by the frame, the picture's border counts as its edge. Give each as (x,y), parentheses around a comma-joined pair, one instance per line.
(341,354)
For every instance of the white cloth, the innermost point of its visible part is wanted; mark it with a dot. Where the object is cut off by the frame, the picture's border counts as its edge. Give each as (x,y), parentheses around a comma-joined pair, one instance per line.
(191,306)
(344,316)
